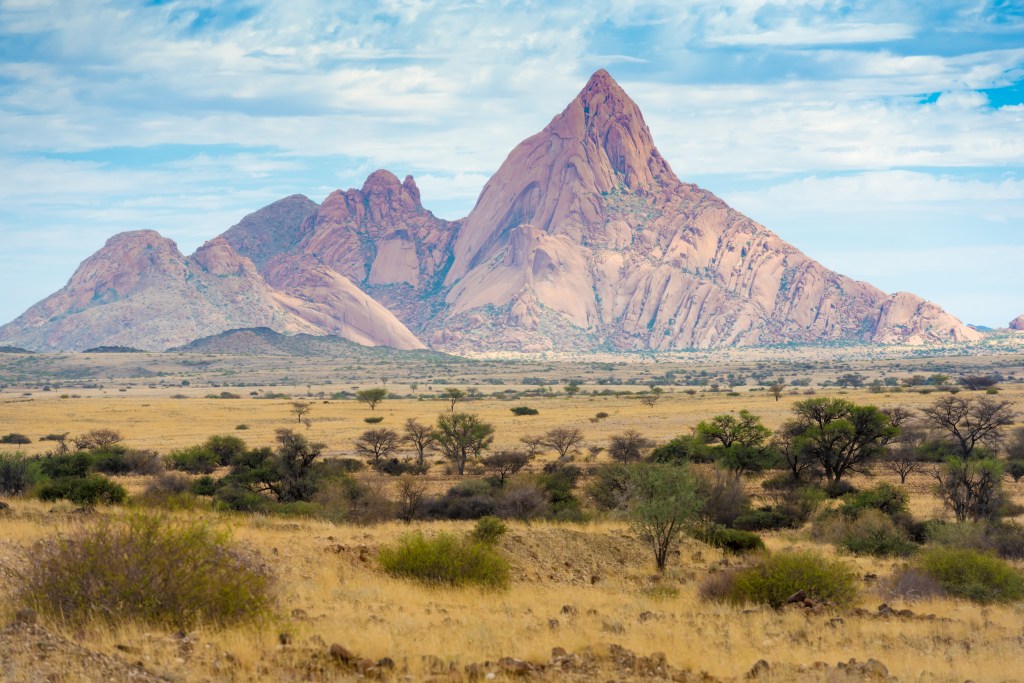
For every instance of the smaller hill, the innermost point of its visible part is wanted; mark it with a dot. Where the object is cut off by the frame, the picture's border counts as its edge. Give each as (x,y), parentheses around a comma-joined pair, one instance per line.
(263,341)
(113,349)
(1018,323)
(14,349)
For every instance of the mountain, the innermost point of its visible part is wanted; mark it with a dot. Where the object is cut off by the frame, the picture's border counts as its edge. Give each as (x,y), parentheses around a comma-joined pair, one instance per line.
(584,239)
(140,291)
(379,237)
(1017,323)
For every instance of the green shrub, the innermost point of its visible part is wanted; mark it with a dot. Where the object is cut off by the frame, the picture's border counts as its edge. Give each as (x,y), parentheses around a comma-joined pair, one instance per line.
(89,491)
(17,473)
(973,575)
(777,577)
(681,450)
(524,410)
(445,559)
(489,530)
(888,499)
(240,499)
(241,427)
(70,465)
(204,486)
(729,540)
(872,533)
(761,520)
(166,573)
(14,438)
(194,460)
(373,420)
(225,448)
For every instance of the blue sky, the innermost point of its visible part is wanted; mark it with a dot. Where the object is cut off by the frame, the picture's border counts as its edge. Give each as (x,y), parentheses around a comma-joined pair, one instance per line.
(883,138)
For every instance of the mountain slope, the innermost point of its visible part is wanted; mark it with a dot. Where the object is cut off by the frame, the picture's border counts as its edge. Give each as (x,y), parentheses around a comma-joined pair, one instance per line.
(140,291)
(585,237)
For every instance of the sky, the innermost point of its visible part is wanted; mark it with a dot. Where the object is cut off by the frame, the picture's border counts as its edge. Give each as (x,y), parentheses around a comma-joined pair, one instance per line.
(883,138)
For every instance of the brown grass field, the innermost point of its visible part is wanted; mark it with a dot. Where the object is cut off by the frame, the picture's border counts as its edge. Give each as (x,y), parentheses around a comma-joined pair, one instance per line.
(584,588)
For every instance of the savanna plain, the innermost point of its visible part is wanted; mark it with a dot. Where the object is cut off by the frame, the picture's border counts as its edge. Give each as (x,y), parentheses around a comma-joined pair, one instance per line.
(577,594)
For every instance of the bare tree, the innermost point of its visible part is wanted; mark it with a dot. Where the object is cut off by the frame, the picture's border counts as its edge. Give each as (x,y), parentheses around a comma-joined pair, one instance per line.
(563,440)
(300,409)
(776,390)
(970,422)
(377,443)
(533,444)
(411,493)
(629,446)
(421,437)
(97,439)
(901,457)
(504,464)
(651,399)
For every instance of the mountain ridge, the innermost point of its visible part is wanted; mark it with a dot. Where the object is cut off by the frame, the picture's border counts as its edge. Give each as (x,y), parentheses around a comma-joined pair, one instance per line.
(583,238)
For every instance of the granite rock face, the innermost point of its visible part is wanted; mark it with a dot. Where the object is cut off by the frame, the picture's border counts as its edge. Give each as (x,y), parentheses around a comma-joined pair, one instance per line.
(1018,323)
(586,237)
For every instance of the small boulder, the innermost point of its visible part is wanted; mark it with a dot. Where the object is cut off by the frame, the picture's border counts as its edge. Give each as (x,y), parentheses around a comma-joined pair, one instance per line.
(760,668)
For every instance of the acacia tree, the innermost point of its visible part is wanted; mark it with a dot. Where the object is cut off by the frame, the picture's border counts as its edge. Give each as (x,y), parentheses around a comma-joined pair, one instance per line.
(377,443)
(798,462)
(742,441)
(970,422)
(300,409)
(453,396)
(421,437)
(839,434)
(776,390)
(563,440)
(461,436)
(663,500)
(372,397)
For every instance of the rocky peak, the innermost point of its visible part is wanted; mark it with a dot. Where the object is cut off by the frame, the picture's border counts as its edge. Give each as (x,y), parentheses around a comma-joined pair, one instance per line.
(218,258)
(125,261)
(1018,323)
(276,228)
(557,180)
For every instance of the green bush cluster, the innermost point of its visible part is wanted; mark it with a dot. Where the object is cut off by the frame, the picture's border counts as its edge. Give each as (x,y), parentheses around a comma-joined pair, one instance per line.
(774,579)
(166,573)
(973,575)
(445,559)
(730,540)
(90,490)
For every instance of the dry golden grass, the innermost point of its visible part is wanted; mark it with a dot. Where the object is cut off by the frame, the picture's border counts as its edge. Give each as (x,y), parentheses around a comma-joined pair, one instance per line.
(332,591)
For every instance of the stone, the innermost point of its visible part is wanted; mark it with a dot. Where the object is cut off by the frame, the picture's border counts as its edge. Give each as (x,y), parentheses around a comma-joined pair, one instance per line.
(760,668)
